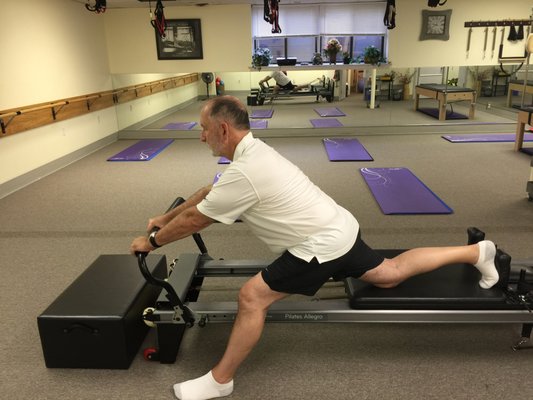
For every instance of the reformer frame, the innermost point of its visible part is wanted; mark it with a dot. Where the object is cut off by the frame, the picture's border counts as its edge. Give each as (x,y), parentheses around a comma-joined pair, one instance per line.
(177,307)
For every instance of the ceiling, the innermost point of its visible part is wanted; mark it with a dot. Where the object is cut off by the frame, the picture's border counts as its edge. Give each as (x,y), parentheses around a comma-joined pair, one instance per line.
(170,3)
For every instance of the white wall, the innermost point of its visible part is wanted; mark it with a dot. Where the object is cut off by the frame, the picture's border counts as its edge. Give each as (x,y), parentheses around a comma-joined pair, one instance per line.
(405,50)
(226,39)
(50,50)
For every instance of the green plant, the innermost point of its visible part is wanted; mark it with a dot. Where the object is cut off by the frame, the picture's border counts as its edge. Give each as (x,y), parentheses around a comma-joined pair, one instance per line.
(371,55)
(261,57)
(317,59)
(405,78)
(346,58)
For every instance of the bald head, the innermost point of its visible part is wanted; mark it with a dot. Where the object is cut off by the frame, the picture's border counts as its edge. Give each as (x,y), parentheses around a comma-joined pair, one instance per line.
(229,109)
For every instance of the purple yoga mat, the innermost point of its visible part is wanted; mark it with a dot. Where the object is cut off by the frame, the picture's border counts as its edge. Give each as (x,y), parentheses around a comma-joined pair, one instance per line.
(262,114)
(399,191)
(480,138)
(346,149)
(434,112)
(329,112)
(258,124)
(527,150)
(217,177)
(326,123)
(180,126)
(143,150)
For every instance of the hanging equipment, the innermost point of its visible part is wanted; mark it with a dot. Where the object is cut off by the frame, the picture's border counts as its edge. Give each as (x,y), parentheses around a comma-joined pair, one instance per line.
(274,15)
(159,23)
(98,8)
(390,14)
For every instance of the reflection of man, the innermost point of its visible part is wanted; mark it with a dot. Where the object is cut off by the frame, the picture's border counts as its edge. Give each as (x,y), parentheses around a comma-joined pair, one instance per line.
(282,82)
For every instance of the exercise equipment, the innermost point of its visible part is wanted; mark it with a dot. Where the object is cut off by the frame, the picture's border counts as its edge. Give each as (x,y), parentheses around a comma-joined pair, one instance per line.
(143,150)
(177,308)
(96,322)
(445,95)
(399,191)
(180,126)
(485,138)
(326,123)
(346,149)
(329,112)
(258,124)
(324,89)
(262,114)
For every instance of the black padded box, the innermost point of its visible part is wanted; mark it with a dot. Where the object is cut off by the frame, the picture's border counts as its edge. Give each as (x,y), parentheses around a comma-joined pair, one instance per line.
(97,321)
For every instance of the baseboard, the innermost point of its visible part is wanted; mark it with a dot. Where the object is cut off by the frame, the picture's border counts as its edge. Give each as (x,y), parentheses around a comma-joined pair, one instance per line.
(28,178)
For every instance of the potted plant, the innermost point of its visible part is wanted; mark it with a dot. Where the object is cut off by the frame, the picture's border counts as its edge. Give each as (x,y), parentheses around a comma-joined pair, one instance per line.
(261,57)
(332,48)
(405,80)
(346,58)
(371,55)
(317,59)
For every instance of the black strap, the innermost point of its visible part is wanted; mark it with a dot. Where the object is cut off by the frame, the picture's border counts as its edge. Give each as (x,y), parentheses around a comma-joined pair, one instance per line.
(98,8)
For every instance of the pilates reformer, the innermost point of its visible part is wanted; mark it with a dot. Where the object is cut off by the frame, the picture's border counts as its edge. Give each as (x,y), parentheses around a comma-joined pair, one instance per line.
(445,95)
(447,295)
(324,89)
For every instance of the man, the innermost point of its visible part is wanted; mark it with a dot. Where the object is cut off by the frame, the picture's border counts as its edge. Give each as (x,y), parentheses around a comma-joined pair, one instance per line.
(282,82)
(317,239)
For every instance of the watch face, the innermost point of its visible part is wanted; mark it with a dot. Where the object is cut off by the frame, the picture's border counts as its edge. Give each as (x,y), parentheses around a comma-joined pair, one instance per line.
(436,24)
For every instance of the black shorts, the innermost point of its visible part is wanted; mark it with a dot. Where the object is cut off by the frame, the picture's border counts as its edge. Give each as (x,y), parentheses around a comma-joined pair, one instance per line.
(290,274)
(288,86)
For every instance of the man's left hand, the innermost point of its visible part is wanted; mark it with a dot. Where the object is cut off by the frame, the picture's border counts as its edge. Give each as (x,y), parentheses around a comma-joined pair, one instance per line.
(141,244)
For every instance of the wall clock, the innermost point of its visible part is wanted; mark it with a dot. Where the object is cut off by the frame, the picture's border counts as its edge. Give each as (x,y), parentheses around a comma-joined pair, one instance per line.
(435,25)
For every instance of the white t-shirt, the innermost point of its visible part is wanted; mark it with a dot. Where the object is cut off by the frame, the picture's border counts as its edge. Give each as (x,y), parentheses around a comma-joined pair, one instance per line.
(280,204)
(280,78)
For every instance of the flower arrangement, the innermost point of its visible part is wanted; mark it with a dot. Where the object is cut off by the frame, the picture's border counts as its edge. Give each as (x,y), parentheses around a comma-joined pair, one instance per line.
(333,47)
(371,55)
(317,59)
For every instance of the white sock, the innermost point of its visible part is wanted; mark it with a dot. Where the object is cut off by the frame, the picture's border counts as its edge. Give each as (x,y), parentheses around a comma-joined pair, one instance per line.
(202,388)
(485,264)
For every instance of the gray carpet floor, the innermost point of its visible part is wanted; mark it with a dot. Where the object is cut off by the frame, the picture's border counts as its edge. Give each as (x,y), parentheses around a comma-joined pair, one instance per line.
(53,229)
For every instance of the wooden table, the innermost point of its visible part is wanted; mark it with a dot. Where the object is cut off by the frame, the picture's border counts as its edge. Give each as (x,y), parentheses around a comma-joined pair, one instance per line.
(524,117)
(445,94)
(517,86)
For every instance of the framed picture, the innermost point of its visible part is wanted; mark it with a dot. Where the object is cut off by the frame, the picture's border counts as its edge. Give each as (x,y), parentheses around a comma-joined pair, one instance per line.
(435,25)
(182,40)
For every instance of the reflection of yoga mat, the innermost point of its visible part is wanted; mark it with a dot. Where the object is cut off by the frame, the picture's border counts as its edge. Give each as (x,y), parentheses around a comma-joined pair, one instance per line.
(262,114)
(326,123)
(527,150)
(217,177)
(346,149)
(399,191)
(143,150)
(434,112)
(223,160)
(329,112)
(259,124)
(180,126)
(480,138)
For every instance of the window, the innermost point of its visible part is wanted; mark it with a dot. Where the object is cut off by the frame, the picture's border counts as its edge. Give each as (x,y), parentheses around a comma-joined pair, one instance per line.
(361,41)
(275,45)
(303,48)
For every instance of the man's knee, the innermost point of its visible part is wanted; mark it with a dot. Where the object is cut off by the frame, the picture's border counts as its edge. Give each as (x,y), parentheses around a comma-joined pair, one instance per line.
(386,275)
(251,294)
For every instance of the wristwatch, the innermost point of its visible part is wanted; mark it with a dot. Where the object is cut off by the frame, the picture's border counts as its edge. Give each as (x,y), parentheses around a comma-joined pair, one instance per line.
(151,239)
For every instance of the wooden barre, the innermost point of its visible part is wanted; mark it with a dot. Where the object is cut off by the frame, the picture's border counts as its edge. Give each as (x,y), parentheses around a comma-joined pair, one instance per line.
(7,116)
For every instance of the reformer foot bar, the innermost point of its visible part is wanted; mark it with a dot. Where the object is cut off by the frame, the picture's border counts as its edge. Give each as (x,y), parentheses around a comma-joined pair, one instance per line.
(448,295)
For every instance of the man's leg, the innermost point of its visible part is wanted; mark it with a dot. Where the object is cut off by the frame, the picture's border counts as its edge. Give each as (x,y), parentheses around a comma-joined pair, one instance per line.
(413,262)
(255,297)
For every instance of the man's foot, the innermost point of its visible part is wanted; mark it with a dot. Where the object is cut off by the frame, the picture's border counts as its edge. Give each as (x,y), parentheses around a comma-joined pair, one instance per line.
(485,264)
(202,388)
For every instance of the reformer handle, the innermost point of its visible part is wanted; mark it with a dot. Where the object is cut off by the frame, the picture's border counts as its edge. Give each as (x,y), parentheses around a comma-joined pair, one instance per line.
(171,295)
